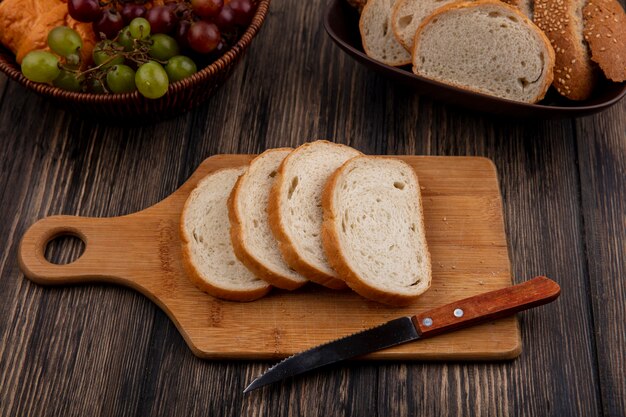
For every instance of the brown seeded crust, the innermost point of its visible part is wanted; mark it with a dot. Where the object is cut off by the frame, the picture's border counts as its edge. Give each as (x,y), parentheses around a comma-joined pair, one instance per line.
(196,277)
(330,240)
(574,75)
(285,245)
(462,5)
(357,4)
(605,32)
(239,245)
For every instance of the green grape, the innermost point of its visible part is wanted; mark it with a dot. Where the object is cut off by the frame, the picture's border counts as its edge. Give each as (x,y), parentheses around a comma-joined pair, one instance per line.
(40,66)
(163,47)
(139,28)
(121,79)
(180,67)
(151,80)
(67,81)
(64,41)
(125,39)
(104,51)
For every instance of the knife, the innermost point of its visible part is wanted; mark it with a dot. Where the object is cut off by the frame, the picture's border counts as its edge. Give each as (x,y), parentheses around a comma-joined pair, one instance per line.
(459,314)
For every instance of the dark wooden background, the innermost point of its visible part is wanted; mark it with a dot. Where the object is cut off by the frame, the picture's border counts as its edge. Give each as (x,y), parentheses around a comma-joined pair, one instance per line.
(102,350)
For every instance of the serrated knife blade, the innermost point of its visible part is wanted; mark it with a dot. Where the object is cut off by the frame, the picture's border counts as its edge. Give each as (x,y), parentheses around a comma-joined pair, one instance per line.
(453,316)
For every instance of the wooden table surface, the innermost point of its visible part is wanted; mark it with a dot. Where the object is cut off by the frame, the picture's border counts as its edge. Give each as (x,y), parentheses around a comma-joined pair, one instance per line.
(103,350)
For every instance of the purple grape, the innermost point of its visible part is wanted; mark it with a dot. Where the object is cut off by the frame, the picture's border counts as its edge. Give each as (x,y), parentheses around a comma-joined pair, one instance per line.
(131,11)
(110,23)
(86,11)
(162,19)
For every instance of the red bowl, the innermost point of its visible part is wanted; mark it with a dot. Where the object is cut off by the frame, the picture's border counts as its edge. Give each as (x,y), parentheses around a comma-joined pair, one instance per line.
(180,97)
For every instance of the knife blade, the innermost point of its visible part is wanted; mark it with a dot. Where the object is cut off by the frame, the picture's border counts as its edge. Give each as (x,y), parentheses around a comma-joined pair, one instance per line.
(459,314)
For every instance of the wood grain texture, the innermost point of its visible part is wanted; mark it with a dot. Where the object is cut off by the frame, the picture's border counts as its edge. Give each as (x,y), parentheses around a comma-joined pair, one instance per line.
(601,145)
(103,350)
(464,229)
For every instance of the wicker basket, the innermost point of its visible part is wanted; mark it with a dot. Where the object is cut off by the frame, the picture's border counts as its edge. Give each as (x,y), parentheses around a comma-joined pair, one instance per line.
(181,96)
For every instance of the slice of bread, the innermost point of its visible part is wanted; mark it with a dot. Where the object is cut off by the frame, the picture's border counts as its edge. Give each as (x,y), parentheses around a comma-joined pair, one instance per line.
(379,41)
(208,255)
(525,6)
(407,15)
(373,230)
(295,208)
(485,46)
(605,32)
(250,233)
(562,22)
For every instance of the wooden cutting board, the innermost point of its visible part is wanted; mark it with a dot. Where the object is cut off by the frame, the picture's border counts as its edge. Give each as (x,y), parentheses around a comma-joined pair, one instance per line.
(465,233)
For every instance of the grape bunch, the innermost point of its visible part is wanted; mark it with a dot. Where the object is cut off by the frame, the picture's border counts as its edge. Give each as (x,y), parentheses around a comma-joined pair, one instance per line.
(140,48)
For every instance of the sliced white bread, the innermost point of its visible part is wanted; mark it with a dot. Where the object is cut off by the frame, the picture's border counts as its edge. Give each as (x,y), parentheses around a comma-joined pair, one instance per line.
(373,231)
(295,208)
(407,15)
(605,32)
(250,233)
(485,46)
(379,41)
(562,22)
(208,255)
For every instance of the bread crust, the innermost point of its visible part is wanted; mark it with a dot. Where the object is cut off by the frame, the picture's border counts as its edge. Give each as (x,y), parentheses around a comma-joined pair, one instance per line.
(285,245)
(368,51)
(574,75)
(605,32)
(549,60)
(332,247)
(239,243)
(195,276)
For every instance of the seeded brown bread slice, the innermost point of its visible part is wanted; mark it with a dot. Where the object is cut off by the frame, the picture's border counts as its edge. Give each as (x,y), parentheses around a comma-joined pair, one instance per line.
(250,233)
(562,22)
(208,255)
(373,229)
(295,208)
(605,32)
(379,41)
(485,46)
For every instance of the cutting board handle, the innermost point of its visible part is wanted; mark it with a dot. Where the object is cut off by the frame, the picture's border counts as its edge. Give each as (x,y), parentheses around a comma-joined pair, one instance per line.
(103,254)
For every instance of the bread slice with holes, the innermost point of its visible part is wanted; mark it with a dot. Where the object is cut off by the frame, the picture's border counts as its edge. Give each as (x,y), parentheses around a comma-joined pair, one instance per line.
(373,231)
(562,22)
(407,15)
(252,240)
(485,46)
(295,208)
(208,254)
(379,41)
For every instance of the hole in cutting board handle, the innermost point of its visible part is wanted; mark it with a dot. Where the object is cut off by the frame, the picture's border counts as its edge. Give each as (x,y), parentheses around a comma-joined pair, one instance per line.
(64,248)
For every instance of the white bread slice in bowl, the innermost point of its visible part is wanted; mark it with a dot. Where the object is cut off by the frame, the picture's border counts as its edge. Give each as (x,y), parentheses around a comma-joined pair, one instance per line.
(485,46)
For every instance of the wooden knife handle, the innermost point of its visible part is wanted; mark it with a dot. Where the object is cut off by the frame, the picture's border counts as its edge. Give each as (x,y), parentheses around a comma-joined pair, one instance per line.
(488,306)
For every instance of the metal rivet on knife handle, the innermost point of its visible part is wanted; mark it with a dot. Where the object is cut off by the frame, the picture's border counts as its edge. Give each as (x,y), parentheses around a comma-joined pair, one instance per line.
(427,322)
(458,313)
